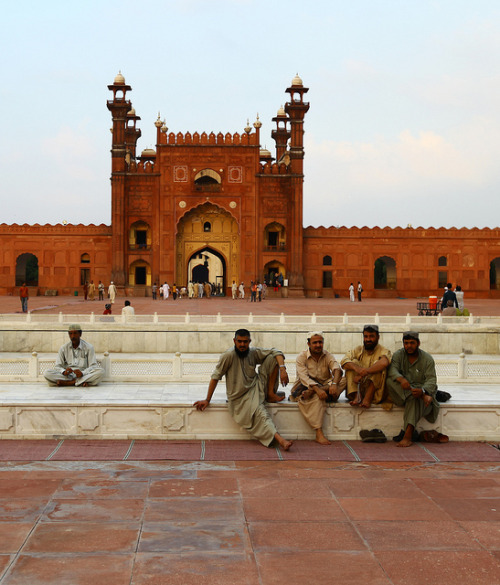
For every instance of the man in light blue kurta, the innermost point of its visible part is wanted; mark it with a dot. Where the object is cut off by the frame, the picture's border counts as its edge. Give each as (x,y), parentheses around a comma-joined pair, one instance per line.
(248,389)
(76,364)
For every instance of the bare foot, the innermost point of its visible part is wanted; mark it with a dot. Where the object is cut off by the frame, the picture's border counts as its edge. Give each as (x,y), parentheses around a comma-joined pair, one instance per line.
(366,403)
(283,443)
(404,443)
(85,385)
(65,382)
(278,397)
(355,403)
(321,439)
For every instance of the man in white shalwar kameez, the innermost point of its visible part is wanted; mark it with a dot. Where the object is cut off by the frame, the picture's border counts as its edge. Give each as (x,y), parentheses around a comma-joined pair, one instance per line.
(112,292)
(247,390)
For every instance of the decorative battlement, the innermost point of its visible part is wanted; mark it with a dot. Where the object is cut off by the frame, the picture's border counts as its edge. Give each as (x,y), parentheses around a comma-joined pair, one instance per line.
(408,232)
(269,168)
(211,139)
(59,229)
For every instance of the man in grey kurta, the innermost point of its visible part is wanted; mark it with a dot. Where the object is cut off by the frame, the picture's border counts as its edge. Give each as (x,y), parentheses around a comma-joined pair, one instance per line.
(76,364)
(412,383)
(248,389)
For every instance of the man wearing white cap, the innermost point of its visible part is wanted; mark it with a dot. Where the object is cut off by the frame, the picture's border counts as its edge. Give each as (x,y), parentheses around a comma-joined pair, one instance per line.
(318,375)
(76,364)
(112,292)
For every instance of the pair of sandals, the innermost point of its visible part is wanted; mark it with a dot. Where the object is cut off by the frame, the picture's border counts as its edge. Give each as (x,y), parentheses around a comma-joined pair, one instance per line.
(424,437)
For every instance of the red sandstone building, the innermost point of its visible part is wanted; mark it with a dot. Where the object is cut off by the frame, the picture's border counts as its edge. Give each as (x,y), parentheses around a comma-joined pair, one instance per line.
(219,208)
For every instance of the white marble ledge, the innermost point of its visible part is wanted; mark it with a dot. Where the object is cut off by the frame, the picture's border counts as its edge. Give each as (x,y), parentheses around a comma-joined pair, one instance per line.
(186,393)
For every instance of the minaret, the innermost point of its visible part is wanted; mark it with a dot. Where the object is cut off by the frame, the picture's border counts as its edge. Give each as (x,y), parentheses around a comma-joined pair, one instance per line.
(296,109)
(120,158)
(119,107)
(281,135)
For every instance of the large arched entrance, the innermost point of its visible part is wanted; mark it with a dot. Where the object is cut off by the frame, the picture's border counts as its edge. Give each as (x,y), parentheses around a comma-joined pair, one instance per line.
(27,270)
(208,265)
(139,273)
(384,273)
(212,233)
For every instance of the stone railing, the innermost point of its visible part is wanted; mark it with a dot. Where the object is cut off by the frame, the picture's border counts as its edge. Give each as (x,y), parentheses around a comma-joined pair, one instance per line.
(150,368)
(251,319)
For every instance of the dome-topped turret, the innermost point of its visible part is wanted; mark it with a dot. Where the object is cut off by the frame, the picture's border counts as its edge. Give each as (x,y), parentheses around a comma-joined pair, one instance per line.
(131,112)
(148,152)
(264,153)
(296,81)
(281,112)
(119,79)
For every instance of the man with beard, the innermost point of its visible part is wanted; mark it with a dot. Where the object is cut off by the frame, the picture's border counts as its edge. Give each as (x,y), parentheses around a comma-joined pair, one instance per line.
(412,384)
(318,380)
(247,390)
(366,370)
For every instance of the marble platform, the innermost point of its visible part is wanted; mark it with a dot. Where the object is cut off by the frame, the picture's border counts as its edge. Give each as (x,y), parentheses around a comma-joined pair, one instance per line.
(164,411)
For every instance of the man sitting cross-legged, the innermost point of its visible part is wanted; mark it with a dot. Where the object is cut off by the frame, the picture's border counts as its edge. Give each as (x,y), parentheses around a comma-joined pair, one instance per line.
(366,368)
(412,383)
(318,379)
(247,390)
(76,364)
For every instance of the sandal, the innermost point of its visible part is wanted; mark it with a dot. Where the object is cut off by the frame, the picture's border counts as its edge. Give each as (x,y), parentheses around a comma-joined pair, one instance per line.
(433,437)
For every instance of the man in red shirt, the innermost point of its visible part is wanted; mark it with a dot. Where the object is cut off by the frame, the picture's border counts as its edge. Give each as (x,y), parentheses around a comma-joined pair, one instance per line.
(24,295)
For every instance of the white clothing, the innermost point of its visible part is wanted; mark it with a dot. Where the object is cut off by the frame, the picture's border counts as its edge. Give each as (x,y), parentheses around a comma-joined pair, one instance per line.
(351,293)
(81,358)
(128,313)
(234,290)
(166,289)
(112,293)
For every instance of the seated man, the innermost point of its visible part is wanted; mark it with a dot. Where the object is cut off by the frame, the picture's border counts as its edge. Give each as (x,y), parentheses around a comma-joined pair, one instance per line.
(412,384)
(128,311)
(450,310)
(318,379)
(76,364)
(365,367)
(247,390)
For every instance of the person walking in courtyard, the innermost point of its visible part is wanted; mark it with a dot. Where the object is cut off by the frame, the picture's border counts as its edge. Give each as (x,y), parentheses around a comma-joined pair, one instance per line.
(360,290)
(248,389)
(100,291)
(234,290)
(241,290)
(154,291)
(91,291)
(24,296)
(85,290)
(76,364)
(112,292)
(318,377)
(351,293)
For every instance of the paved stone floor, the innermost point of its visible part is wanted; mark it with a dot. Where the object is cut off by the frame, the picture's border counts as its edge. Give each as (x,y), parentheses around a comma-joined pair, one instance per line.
(78,513)
(249,522)
(146,306)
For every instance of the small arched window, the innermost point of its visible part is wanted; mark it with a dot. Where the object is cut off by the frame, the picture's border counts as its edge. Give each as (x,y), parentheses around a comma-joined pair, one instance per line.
(85,259)
(443,261)
(327,260)
(207,226)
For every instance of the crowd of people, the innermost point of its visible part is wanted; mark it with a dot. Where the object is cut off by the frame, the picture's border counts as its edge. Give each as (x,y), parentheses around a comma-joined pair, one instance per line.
(368,374)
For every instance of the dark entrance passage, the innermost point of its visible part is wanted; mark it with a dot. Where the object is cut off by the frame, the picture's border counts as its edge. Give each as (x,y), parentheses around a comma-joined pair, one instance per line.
(208,265)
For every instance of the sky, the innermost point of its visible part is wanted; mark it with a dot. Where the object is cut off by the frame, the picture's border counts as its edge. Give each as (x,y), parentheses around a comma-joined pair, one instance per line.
(404,119)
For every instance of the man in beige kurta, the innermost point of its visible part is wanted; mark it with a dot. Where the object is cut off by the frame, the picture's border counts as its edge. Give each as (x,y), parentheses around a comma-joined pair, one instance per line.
(248,389)
(365,369)
(318,380)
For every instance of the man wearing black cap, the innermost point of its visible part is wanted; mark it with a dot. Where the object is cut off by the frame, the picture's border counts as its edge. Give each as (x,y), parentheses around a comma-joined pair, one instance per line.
(366,368)
(76,364)
(412,383)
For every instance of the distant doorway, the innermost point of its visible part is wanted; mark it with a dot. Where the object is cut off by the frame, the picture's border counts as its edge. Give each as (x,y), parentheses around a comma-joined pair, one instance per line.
(495,274)
(208,265)
(384,273)
(27,270)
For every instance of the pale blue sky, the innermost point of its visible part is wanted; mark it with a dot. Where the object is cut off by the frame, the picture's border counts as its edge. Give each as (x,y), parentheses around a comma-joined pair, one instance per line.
(404,124)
